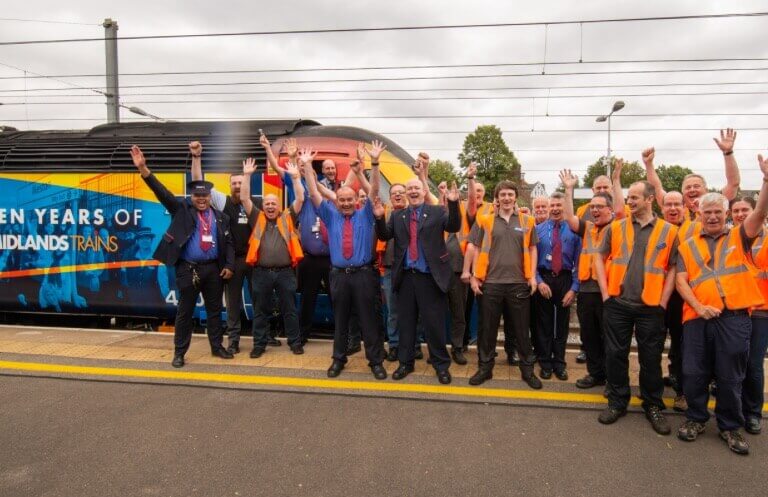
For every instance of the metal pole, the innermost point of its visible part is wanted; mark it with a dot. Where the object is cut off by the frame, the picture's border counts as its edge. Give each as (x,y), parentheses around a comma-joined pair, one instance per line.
(608,157)
(113,87)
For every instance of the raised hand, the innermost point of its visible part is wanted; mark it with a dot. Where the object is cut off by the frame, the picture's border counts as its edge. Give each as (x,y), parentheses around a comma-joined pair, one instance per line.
(648,155)
(417,167)
(377,148)
(195,148)
(763,163)
(442,187)
(264,141)
(472,170)
(568,180)
(378,207)
(291,147)
(361,152)
(249,165)
(726,141)
(138,157)
(618,164)
(292,170)
(307,155)
(453,193)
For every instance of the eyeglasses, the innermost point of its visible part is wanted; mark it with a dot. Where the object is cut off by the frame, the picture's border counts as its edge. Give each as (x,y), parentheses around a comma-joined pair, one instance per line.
(594,206)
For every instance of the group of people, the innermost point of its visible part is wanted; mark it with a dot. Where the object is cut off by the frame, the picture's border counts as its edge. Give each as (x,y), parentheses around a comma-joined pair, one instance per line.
(698,273)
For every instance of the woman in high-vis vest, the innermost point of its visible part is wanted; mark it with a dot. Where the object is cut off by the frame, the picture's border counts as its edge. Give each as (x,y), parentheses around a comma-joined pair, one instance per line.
(716,280)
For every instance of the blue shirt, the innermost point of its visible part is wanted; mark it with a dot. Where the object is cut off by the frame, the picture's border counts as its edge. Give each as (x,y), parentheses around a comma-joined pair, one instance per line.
(289,193)
(571,244)
(192,251)
(309,229)
(420,264)
(362,228)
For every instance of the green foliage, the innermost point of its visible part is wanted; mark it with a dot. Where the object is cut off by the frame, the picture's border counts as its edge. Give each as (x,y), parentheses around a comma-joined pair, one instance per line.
(672,176)
(495,161)
(630,173)
(443,170)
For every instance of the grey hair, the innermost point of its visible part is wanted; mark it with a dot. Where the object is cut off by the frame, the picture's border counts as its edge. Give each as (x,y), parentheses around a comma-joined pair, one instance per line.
(713,198)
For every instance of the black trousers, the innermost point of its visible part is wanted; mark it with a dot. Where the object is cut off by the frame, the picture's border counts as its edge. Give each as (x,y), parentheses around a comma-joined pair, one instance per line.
(266,282)
(212,288)
(419,299)
(648,325)
(313,270)
(512,300)
(552,321)
(589,309)
(234,297)
(673,320)
(457,299)
(356,289)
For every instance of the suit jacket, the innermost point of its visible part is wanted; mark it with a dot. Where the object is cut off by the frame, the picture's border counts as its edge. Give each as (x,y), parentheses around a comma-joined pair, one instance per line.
(183,227)
(433,223)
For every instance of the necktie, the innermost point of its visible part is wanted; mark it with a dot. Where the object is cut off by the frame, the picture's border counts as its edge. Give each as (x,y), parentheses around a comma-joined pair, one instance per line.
(413,247)
(205,231)
(323,231)
(346,238)
(557,249)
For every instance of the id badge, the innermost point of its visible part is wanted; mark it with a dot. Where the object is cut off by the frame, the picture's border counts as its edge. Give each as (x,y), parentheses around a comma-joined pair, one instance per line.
(207,238)
(242,220)
(548,257)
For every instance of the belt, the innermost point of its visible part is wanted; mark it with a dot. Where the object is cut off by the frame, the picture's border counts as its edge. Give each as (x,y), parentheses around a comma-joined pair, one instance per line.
(542,270)
(201,263)
(274,269)
(352,269)
(738,312)
(413,270)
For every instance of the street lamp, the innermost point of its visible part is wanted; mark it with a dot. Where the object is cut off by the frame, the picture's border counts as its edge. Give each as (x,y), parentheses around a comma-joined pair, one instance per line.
(142,112)
(617,106)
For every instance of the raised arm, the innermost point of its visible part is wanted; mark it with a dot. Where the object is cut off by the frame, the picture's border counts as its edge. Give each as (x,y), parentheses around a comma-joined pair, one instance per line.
(196,151)
(653,178)
(423,174)
(298,189)
(385,228)
(356,171)
(249,167)
(453,223)
(569,183)
(732,176)
(271,159)
(305,159)
(161,192)
(374,153)
(753,224)
(618,193)
(471,197)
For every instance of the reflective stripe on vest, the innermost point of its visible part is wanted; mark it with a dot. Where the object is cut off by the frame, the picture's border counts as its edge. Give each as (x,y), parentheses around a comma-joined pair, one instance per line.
(708,273)
(762,273)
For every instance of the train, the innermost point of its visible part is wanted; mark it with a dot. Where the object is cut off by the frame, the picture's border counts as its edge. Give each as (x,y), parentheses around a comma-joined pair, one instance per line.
(78,225)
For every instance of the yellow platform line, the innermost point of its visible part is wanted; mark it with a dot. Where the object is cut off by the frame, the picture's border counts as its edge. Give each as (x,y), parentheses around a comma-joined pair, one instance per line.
(315,383)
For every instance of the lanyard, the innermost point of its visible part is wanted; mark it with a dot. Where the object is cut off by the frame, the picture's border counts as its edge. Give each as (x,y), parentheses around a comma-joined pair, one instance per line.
(205,224)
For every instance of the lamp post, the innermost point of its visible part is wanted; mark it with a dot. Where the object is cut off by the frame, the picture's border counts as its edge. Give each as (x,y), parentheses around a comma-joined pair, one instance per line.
(617,106)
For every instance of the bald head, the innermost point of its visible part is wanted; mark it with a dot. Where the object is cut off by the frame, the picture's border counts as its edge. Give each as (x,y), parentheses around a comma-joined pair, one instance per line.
(271,206)
(329,170)
(414,191)
(601,184)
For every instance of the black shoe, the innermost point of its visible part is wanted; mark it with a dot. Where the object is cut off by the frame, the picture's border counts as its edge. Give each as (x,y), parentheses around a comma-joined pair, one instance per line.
(379,372)
(545,374)
(335,369)
(444,377)
(234,348)
(562,375)
(418,354)
(735,441)
(670,381)
(256,352)
(690,430)
(611,415)
(392,354)
(659,423)
(354,349)
(458,356)
(581,358)
(753,426)
(304,341)
(533,381)
(481,376)
(401,372)
(178,361)
(588,381)
(513,359)
(223,353)
(273,342)
(297,348)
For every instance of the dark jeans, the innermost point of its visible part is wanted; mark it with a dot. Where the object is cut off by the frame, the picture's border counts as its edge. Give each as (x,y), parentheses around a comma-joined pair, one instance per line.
(283,282)
(648,324)
(419,299)
(673,320)
(589,308)
(752,394)
(512,300)
(356,289)
(716,348)
(212,287)
(552,321)
(457,299)
(312,271)
(234,295)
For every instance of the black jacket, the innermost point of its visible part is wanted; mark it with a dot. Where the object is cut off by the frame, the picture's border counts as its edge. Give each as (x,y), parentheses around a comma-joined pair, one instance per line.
(434,221)
(183,227)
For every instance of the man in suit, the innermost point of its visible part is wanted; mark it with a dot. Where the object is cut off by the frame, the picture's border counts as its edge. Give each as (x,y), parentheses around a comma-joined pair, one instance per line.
(199,244)
(421,273)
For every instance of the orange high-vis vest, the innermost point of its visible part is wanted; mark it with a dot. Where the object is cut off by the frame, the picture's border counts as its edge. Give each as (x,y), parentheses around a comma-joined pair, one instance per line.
(724,281)
(760,261)
(462,236)
(584,208)
(483,258)
(687,230)
(485,210)
(286,229)
(657,252)
(590,246)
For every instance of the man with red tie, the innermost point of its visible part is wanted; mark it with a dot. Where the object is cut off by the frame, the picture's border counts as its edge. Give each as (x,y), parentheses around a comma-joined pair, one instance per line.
(354,280)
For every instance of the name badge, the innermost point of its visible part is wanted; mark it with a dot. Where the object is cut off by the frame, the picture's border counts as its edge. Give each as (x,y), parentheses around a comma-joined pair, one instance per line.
(207,238)
(661,245)
(242,220)
(518,229)
(548,257)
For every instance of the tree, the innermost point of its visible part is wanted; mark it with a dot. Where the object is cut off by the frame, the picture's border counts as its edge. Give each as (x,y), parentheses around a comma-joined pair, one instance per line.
(672,176)
(495,161)
(631,172)
(442,170)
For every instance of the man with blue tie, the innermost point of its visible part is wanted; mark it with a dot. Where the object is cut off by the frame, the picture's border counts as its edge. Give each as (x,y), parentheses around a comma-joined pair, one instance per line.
(354,280)
(556,270)
(421,273)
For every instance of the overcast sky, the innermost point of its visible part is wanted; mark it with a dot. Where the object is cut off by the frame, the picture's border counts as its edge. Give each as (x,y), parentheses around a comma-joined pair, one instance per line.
(540,152)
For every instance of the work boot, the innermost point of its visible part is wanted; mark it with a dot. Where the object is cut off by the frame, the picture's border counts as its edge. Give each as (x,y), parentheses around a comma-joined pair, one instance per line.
(690,430)
(458,356)
(735,441)
(659,423)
